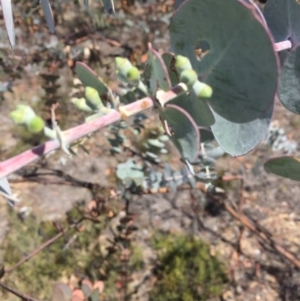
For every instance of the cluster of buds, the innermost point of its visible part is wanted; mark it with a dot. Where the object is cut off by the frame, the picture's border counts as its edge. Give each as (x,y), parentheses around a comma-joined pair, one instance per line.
(24,115)
(91,103)
(189,77)
(126,72)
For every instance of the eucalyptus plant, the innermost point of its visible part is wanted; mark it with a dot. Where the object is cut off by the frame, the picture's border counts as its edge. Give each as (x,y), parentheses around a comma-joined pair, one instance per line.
(227,62)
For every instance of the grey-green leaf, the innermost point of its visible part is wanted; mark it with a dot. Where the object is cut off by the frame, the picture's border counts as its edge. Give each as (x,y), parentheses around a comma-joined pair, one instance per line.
(155,143)
(9,21)
(243,74)
(159,77)
(4,186)
(169,60)
(89,78)
(285,166)
(283,19)
(86,290)
(94,296)
(186,137)
(197,108)
(109,6)
(48,14)
(240,138)
(289,82)
(130,170)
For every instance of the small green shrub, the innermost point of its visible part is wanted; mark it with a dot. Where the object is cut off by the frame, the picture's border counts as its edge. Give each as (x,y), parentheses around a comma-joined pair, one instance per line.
(187,271)
(81,254)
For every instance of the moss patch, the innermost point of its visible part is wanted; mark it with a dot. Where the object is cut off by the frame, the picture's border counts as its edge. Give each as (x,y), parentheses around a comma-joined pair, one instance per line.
(81,254)
(186,271)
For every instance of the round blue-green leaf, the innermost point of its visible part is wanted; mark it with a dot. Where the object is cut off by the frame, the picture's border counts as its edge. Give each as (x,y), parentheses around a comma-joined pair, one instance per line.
(186,137)
(283,19)
(243,74)
(48,14)
(289,82)
(285,166)
(240,138)
(9,21)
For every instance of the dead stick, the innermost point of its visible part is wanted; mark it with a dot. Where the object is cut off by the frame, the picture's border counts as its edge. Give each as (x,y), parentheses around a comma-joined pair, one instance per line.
(249,224)
(21,296)
(33,253)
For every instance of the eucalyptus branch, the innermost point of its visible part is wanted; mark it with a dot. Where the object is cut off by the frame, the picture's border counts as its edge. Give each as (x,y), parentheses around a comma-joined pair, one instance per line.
(13,164)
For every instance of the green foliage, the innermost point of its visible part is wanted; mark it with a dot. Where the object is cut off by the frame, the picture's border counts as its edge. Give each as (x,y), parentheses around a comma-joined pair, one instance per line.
(190,78)
(283,20)
(187,271)
(243,76)
(285,166)
(85,254)
(152,143)
(289,84)
(130,173)
(33,277)
(219,63)
(184,131)
(136,259)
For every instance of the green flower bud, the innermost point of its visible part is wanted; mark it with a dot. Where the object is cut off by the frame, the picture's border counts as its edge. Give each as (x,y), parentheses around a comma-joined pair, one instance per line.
(122,63)
(182,63)
(35,125)
(81,104)
(202,89)
(22,115)
(17,116)
(93,98)
(126,72)
(189,77)
(133,76)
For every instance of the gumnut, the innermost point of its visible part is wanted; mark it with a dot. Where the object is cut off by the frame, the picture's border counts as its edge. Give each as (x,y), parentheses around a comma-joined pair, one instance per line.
(22,115)
(189,77)
(126,72)
(182,63)
(81,104)
(133,76)
(202,89)
(35,125)
(93,98)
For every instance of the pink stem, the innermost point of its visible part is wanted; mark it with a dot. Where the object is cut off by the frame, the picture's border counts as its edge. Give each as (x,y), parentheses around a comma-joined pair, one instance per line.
(284,45)
(13,164)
